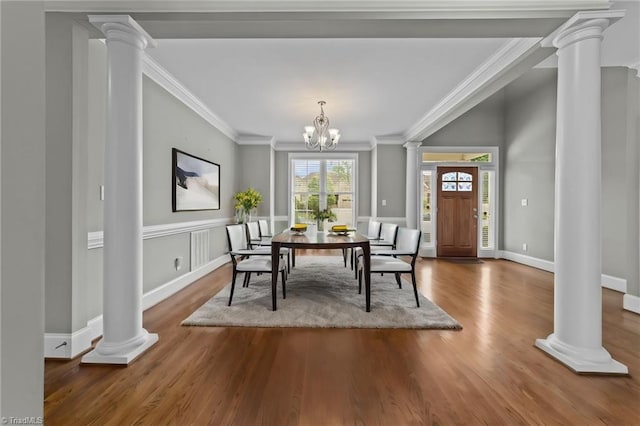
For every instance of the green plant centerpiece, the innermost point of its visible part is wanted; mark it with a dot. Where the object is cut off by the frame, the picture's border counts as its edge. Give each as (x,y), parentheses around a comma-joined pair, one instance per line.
(246,201)
(321,215)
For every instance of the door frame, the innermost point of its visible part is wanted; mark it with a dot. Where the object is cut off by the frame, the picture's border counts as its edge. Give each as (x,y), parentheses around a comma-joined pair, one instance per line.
(429,250)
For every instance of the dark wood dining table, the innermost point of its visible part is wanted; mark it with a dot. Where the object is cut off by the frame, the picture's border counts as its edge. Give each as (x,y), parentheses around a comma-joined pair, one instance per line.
(320,240)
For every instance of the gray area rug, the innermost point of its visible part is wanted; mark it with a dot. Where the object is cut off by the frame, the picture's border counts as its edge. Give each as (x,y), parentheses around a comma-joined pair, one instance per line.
(321,292)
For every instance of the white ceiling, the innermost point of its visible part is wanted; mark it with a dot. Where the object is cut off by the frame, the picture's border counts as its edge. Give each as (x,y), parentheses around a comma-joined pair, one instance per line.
(373,87)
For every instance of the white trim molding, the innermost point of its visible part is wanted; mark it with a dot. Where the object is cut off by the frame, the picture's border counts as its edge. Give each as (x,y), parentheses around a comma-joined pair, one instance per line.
(255,140)
(636,66)
(342,147)
(158,294)
(464,96)
(545,265)
(614,283)
(96,239)
(631,303)
(70,345)
(167,81)
(607,281)
(434,8)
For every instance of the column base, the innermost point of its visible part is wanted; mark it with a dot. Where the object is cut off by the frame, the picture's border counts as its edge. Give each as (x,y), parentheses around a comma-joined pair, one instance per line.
(124,356)
(581,361)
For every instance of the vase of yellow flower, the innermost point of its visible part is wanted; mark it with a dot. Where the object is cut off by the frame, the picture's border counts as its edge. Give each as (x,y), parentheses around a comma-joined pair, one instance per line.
(321,215)
(246,202)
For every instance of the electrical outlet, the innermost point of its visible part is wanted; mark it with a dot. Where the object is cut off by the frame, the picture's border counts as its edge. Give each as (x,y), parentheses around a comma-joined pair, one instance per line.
(101,192)
(384,203)
(177,263)
(524,202)
(525,247)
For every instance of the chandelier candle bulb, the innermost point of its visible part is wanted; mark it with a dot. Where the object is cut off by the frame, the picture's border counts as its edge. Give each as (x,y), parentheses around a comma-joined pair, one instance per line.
(326,139)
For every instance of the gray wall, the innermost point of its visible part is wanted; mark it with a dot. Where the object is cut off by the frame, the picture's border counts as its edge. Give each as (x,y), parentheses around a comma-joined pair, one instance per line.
(66,128)
(253,171)
(483,125)
(529,172)
(392,180)
(633,183)
(23,208)
(614,191)
(364,183)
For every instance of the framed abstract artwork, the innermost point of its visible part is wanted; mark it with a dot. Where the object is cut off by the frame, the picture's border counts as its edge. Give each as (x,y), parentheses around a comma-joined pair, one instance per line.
(196,183)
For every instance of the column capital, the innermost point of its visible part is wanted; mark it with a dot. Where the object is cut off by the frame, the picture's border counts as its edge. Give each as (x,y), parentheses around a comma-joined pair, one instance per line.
(412,145)
(582,26)
(636,67)
(123,28)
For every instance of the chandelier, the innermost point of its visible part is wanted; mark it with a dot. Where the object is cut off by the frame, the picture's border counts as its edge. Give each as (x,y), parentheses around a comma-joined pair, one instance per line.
(326,139)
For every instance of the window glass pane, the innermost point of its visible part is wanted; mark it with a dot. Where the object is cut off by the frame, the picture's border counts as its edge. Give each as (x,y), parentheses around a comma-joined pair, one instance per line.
(307,176)
(465,177)
(486,196)
(426,225)
(465,186)
(339,175)
(449,177)
(448,186)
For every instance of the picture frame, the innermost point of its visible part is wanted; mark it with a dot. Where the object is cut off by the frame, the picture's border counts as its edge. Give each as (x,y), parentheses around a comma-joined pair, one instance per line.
(196,183)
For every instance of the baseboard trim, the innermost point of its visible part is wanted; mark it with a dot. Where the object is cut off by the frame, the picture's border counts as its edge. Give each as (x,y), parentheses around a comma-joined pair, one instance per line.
(614,283)
(607,281)
(631,303)
(70,345)
(545,265)
(67,345)
(167,290)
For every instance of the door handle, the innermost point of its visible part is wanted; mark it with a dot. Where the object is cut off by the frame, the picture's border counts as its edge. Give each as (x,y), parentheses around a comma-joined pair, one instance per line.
(475,216)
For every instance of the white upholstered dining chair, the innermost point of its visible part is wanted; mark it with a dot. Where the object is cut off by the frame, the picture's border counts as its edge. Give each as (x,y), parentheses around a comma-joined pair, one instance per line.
(388,260)
(246,260)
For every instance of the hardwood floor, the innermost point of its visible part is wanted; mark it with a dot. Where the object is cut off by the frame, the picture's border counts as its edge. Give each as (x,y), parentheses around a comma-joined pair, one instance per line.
(488,373)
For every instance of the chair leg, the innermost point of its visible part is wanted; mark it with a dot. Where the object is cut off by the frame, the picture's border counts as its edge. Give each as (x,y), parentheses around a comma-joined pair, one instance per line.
(415,288)
(248,278)
(244,280)
(344,256)
(233,285)
(359,274)
(284,288)
(353,253)
(289,262)
(398,280)
(355,267)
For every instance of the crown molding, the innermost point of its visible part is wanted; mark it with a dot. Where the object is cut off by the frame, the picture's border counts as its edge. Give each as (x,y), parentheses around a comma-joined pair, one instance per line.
(436,8)
(388,140)
(255,140)
(497,68)
(171,84)
(342,147)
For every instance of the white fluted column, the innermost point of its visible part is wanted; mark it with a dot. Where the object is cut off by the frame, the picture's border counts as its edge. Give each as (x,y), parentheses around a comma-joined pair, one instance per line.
(124,338)
(577,337)
(411,206)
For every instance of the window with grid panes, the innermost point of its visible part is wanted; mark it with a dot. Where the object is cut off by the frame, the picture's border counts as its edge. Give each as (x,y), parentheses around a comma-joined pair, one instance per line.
(323,183)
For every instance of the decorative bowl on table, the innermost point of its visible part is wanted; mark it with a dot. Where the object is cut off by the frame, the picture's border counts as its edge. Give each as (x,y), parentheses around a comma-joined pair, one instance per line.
(299,228)
(340,229)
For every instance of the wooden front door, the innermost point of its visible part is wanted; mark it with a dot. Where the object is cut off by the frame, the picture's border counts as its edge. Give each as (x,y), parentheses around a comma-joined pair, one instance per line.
(457,212)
